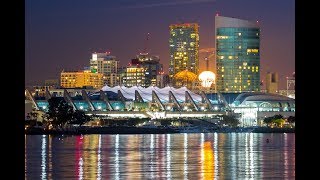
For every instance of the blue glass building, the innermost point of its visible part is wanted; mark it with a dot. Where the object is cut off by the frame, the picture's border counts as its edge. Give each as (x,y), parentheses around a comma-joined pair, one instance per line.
(237,55)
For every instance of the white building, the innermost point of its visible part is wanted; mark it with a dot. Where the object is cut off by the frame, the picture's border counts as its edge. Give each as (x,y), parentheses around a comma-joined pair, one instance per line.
(255,106)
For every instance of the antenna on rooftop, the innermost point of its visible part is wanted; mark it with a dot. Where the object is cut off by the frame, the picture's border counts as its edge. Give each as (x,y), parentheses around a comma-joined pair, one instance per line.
(146,43)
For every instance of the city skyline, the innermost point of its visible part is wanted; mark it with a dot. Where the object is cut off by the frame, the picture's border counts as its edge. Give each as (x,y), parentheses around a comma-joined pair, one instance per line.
(62,35)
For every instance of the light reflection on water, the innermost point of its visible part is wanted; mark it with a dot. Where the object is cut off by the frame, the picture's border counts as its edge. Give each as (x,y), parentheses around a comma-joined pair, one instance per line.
(161,156)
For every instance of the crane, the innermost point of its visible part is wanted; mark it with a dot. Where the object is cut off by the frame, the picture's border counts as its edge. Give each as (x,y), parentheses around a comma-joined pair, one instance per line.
(209,53)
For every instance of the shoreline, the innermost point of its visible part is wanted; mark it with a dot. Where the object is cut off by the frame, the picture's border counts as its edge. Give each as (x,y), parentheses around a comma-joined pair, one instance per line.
(142,130)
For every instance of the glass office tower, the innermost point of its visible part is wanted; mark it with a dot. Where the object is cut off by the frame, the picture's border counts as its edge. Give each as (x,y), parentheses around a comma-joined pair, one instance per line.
(237,55)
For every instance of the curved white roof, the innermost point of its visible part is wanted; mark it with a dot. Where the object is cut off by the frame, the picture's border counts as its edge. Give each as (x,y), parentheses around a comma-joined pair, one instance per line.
(267,97)
(259,97)
(146,93)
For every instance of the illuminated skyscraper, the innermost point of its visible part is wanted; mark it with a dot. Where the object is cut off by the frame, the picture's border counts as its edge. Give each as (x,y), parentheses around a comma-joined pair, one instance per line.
(184,49)
(237,55)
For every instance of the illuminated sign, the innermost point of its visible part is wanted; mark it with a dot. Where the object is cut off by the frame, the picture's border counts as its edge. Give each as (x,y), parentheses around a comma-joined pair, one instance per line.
(94,56)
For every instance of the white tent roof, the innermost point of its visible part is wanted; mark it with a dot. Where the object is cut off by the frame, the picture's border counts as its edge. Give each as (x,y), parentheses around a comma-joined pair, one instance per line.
(146,93)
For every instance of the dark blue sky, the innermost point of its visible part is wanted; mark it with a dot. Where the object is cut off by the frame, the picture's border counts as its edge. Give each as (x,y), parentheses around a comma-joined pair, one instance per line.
(62,34)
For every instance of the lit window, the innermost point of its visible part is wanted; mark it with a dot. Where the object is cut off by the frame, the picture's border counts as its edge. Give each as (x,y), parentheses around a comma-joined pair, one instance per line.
(230,57)
(240,67)
(239,34)
(239,47)
(222,37)
(221,57)
(252,50)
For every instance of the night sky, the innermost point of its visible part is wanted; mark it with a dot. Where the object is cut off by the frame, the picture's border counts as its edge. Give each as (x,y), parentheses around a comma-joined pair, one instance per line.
(62,34)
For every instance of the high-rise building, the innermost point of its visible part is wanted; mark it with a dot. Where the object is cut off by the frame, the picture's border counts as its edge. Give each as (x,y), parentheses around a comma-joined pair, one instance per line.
(272,82)
(237,55)
(162,80)
(152,67)
(107,65)
(80,79)
(184,49)
(143,71)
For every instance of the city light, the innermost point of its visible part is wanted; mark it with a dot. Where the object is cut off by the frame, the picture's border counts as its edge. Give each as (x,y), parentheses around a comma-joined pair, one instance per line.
(207,78)
(187,112)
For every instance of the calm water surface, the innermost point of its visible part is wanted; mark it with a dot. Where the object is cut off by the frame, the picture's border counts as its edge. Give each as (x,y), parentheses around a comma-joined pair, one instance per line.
(161,156)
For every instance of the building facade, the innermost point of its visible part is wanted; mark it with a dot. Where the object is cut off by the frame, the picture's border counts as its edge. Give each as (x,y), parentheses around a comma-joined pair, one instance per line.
(51,83)
(79,79)
(162,80)
(184,49)
(143,71)
(272,82)
(291,86)
(169,102)
(134,76)
(237,55)
(107,65)
(152,67)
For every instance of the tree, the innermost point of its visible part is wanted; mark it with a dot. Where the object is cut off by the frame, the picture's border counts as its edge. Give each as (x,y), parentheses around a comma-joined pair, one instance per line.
(268,120)
(277,116)
(291,119)
(276,119)
(278,122)
(34,115)
(230,120)
(59,111)
(79,117)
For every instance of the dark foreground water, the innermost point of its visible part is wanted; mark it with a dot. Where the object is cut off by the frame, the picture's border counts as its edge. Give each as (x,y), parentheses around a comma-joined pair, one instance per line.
(161,156)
